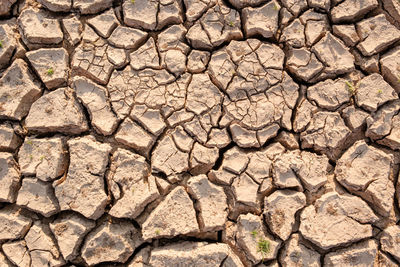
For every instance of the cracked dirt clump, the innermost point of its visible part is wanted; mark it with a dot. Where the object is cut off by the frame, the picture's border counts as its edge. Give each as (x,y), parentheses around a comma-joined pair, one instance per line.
(201,133)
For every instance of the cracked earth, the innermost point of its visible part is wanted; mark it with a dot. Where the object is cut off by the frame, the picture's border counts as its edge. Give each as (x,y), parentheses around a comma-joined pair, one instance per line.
(199,133)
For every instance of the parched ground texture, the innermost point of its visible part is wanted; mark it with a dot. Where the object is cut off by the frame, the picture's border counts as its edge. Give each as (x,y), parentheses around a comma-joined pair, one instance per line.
(199,133)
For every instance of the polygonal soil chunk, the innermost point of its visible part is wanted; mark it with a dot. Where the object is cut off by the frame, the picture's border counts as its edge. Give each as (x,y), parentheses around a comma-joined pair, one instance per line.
(334,55)
(235,160)
(366,171)
(202,159)
(293,34)
(202,94)
(57,5)
(8,44)
(182,140)
(314,170)
(92,6)
(239,4)
(9,140)
(295,6)
(167,158)
(156,89)
(69,231)
(243,137)
(133,135)
(37,196)
(131,185)
(347,33)
(383,126)
(211,203)
(146,56)
(18,91)
(218,25)
(390,241)
(128,38)
(284,170)
(325,133)
(262,109)
(361,254)
(245,192)
(373,91)
(152,15)
(51,64)
(197,61)
(9,178)
(110,242)
(262,20)
(43,158)
(280,209)
(151,119)
(95,99)
(38,28)
(73,29)
(352,10)
(194,254)
(17,253)
(57,111)
(390,67)
(377,34)
(297,254)
(91,58)
(316,26)
(14,223)
(304,114)
(104,23)
(335,220)
(174,216)
(5,7)
(303,64)
(42,247)
(355,118)
(329,94)
(83,188)
(254,240)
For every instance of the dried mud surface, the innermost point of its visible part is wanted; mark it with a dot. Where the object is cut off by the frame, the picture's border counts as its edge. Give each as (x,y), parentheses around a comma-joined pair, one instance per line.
(199,133)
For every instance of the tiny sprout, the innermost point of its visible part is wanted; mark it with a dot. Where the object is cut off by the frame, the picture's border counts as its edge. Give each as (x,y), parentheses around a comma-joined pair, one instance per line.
(157,232)
(29,142)
(1,44)
(380,91)
(231,23)
(42,158)
(132,1)
(276,7)
(398,76)
(351,88)
(254,233)
(30,157)
(50,71)
(263,246)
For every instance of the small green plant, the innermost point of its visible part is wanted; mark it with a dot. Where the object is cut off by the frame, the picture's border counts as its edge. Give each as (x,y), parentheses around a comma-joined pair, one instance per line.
(132,1)
(276,7)
(1,43)
(29,142)
(398,76)
(254,233)
(231,23)
(380,91)
(31,157)
(157,232)
(50,71)
(42,157)
(351,88)
(263,246)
